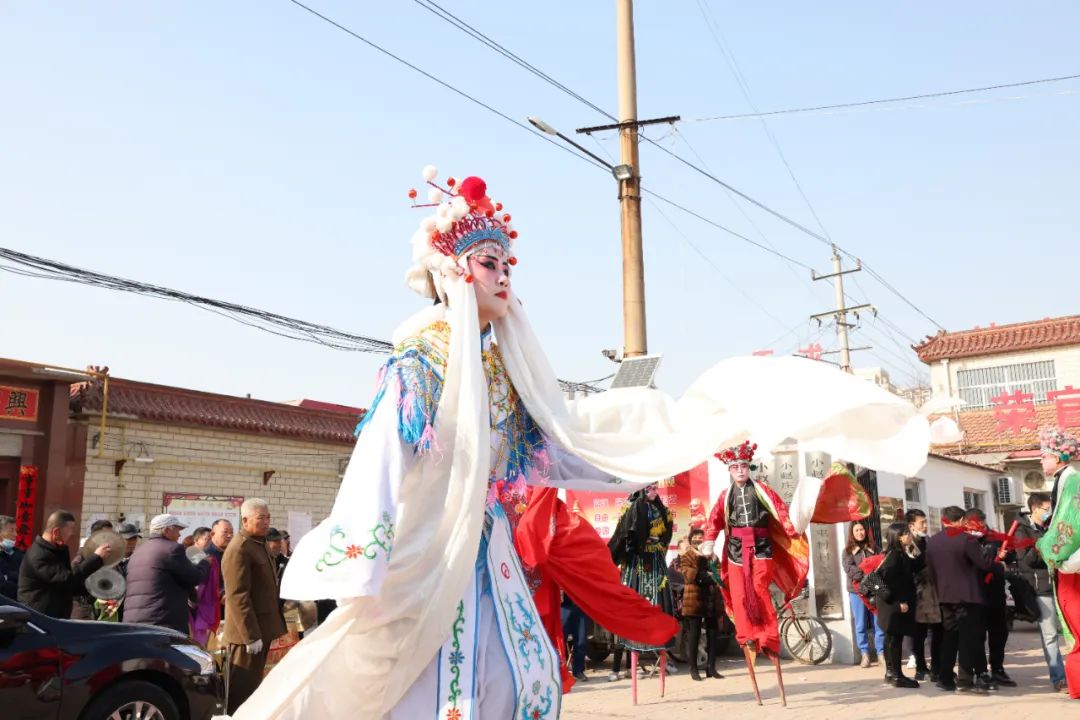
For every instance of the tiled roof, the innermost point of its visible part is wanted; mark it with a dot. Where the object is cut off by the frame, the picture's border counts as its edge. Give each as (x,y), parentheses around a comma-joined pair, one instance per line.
(997,339)
(974,465)
(981,433)
(160,403)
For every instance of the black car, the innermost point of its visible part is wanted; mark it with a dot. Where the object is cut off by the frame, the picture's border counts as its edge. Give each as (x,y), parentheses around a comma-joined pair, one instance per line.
(80,670)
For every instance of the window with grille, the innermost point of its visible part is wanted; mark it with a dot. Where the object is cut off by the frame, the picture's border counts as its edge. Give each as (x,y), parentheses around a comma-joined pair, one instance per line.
(974,500)
(913,492)
(977,387)
(1004,491)
(933,519)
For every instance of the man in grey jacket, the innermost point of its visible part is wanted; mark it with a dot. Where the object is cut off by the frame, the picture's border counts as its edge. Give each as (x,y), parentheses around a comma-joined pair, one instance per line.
(160,578)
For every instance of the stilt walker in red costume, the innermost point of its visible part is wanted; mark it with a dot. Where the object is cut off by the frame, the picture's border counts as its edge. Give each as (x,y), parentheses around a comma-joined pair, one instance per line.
(760,547)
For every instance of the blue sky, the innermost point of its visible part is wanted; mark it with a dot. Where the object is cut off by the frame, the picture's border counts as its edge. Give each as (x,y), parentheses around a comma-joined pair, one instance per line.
(250,152)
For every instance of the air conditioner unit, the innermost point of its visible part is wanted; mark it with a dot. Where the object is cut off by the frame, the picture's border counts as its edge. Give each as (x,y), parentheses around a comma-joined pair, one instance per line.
(1005,494)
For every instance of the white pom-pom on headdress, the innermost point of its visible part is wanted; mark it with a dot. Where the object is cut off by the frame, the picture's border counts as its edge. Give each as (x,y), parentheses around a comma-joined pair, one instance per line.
(416,277)
(442,242)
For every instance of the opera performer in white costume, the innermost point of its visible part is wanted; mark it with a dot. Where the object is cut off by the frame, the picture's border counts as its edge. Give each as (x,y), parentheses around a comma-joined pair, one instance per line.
(436,617)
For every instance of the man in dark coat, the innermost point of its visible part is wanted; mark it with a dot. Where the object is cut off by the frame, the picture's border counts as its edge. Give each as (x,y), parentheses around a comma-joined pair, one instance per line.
(997,614)
(1033,569)
(956,564)
(11,558)
(927,609)
(253,616)
(160,576)
(47,582)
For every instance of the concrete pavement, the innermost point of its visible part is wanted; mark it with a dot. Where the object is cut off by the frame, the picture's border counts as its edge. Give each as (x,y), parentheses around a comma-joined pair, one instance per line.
(830,692)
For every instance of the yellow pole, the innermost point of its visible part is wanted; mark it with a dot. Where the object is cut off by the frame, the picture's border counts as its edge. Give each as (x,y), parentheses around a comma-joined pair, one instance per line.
(634,337)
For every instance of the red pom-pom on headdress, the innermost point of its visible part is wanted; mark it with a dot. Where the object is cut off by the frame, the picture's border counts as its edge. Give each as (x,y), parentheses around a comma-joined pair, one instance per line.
(741,454)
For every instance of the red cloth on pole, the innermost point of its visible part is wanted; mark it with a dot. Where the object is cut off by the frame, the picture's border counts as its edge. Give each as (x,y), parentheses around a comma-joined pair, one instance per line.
(1068,598)
(572,558)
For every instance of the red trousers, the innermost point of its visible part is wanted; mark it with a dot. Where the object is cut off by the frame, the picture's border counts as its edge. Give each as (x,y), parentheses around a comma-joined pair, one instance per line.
(1068,597)
(764,631)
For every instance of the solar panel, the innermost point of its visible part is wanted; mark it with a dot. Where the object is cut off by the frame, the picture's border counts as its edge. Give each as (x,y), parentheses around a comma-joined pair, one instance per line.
(636,372)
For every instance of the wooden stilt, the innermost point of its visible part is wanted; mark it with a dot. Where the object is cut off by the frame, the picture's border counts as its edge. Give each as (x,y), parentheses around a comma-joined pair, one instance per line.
(779,678)
(663,671)
(633,674)
(750,656)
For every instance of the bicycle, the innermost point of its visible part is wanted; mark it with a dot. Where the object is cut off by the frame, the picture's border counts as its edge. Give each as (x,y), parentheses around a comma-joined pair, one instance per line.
(806,638)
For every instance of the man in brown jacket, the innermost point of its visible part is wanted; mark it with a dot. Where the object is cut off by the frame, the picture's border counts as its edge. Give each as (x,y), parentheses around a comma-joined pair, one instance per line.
(253,617)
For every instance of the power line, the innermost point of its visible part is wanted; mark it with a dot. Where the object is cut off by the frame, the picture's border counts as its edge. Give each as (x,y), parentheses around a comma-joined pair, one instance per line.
(864,103)
(468,29)
(746,216)
(441,82)
(728,230)
(716,267)
(449,17)
(273,323)
(744,87)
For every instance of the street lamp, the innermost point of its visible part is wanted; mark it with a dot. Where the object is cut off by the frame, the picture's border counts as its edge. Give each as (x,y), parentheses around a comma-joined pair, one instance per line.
(542,126)
(548,130)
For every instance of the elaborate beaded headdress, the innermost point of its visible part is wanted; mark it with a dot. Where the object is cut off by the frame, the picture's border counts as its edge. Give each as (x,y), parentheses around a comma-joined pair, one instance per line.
(1055,441)
(741,454)
(465,220)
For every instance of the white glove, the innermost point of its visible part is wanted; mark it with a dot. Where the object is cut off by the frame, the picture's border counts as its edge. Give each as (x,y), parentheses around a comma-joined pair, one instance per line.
(254,648)
(707,548)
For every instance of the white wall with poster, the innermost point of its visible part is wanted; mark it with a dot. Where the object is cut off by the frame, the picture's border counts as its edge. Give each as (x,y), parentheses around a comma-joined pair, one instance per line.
(195,509)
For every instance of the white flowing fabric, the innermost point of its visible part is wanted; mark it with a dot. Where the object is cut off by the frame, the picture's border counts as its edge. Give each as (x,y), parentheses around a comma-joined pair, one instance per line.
(641,435)
(361,661)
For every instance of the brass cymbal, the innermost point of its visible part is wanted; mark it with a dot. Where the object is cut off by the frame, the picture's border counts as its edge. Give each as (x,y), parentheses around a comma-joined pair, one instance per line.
(106,584)
(117,546)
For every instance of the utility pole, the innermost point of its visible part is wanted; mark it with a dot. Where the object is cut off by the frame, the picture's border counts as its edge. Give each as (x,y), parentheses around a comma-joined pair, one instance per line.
(628,174)
(841,311)
(634,339)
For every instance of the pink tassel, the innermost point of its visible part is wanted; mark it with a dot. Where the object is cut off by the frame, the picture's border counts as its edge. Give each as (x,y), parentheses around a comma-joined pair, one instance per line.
(429,441)
(407,404)
(543,464)
(521,488)
(492,495)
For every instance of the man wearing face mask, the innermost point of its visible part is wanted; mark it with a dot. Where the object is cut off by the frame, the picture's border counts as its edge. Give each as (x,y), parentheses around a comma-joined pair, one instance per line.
(10,558)
(927,610)
(47,582)
(1032,568)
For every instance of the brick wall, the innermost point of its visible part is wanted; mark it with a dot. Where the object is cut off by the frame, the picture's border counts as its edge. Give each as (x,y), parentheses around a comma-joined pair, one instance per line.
(206,460)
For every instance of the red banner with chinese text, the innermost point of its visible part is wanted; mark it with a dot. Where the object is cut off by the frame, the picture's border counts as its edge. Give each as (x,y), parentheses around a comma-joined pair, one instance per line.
(17,403)
(24,507)
(686,495)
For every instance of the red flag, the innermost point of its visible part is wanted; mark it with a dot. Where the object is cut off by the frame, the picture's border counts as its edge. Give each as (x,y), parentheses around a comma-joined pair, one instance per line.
(841,497)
